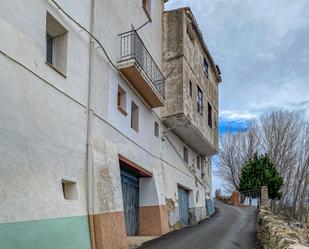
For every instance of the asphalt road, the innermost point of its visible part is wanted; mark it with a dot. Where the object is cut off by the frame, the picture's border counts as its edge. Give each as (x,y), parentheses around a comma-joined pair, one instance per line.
(229,228)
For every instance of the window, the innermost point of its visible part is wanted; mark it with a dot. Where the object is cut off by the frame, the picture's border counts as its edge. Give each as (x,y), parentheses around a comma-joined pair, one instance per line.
(69,190)
(209,115)
(190,88)
(49,48)
(198,162)
(134,116)
(147,7)
(185,154)
(121,100)
(156,129)
(56,44)
(199,100)
(205,67)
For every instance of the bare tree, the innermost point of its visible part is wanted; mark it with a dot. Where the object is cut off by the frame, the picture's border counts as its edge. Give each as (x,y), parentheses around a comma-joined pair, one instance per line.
(236,148)
(301,178)
(284,136)
(279,135)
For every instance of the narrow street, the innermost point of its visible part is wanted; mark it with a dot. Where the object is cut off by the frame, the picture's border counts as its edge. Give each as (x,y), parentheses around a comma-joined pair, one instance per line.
(229,228)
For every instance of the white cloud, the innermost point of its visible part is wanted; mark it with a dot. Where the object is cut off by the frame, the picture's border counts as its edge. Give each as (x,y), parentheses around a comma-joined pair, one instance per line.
(234,115)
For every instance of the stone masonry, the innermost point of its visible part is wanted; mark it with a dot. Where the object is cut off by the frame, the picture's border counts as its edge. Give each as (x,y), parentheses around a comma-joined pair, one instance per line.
(273,232)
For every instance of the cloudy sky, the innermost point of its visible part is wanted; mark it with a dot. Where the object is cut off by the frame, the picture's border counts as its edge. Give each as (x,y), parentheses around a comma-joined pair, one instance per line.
(262,48)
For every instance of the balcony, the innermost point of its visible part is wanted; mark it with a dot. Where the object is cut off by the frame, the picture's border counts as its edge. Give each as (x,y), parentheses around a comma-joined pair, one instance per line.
(202,139)
(140,69)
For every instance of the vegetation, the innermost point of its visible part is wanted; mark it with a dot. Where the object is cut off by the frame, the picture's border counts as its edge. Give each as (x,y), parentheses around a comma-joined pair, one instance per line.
(260,171)
(284,137)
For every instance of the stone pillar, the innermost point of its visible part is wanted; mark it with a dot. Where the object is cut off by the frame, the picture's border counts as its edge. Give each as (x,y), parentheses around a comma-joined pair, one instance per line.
(264,197)
(235,198)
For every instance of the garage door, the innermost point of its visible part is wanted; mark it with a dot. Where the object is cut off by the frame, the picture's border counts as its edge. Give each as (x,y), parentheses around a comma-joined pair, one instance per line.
(183,202)
(130,194)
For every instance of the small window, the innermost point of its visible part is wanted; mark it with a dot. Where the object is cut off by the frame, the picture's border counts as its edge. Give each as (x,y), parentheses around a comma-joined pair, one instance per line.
(190,88)
(147,7)
(209,115)
(198,162)
(69,190)
(122,100)
(56,44)
(134,116)
(185,154)
(199,100)
(49,48)
(156,129)
(205,67)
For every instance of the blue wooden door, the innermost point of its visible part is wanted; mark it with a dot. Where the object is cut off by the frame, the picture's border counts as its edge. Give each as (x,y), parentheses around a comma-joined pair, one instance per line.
(183,202)
(130,195)
(210,207)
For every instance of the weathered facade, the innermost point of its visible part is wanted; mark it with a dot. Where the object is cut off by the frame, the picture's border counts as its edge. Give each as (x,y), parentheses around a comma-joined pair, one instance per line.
(192,88)
(86,159)
(191,109)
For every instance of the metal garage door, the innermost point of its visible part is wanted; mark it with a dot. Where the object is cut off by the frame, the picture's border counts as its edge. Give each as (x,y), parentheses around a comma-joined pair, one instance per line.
(183,202)
(130,194)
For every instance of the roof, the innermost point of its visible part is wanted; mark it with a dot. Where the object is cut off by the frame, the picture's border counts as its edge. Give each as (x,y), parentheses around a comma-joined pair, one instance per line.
(199,33)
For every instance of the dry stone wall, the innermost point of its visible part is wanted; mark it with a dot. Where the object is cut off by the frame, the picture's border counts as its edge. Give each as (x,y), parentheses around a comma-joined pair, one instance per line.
(273,232)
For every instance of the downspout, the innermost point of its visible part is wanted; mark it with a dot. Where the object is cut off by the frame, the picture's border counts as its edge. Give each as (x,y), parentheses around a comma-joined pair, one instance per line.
(89,161)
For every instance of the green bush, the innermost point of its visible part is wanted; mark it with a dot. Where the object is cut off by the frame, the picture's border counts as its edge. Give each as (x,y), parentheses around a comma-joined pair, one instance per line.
(260,171)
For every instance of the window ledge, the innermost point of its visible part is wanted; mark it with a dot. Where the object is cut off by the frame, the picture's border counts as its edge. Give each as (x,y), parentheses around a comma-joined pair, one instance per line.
(53,67)
(122,110)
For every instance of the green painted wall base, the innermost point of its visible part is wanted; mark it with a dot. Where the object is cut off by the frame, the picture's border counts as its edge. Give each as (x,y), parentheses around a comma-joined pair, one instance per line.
(62,233)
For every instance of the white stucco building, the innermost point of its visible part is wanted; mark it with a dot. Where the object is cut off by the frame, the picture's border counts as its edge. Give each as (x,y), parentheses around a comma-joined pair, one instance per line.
(89,153)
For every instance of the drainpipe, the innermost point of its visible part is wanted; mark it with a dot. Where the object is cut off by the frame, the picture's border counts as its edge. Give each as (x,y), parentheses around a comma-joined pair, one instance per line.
(89,161)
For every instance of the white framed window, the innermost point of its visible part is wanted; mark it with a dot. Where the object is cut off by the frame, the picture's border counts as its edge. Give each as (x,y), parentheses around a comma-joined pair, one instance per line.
(56,44)
(134,116)
(122,100)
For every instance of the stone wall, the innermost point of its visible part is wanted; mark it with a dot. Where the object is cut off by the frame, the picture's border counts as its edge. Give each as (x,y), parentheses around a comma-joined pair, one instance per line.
(272,231)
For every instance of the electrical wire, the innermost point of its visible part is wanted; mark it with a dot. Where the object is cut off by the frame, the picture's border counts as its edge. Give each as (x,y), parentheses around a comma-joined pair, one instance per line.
(114,66)
(97,115)
(101,45)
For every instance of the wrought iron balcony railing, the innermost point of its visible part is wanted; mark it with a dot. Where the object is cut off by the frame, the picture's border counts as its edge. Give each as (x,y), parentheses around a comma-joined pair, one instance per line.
(132,47)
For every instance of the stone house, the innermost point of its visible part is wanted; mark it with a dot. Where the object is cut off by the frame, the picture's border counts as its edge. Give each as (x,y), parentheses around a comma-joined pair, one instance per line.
(97,141)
